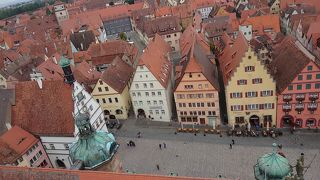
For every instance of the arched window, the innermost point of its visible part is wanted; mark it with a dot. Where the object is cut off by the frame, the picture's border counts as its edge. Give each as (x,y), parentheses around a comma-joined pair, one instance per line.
(310,122)
(118,111)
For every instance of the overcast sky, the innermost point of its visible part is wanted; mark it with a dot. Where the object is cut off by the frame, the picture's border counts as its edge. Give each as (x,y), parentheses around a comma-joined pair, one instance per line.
(4,3)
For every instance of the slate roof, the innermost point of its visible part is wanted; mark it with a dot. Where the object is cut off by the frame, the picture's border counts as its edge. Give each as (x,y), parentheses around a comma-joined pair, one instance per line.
(46,111)
(7,98)
(117,75)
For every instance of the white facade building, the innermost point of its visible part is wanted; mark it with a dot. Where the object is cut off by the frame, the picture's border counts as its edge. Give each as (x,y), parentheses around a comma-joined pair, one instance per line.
(205,11)
(61,13)
(151,88)
(246,31)
(85,103)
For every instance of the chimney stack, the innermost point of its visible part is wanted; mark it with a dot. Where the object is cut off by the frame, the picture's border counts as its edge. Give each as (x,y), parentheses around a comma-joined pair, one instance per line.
(54,59)
(46,49)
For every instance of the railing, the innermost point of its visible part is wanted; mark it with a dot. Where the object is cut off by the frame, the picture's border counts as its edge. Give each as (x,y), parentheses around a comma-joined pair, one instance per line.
(299,107)
(286,107)
(300,97)
(313,96)
(312,106)
(287,97)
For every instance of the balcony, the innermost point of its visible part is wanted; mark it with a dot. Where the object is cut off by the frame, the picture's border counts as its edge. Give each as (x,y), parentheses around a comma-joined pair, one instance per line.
(312,106)
(300,97)
(286,107)
(287,97)
(299,107)
(313,96)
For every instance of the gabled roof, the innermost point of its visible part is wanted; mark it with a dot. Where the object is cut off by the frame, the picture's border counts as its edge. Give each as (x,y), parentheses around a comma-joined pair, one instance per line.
(82,40)
(155,58)
(117,75)
(51,70)
(19,140)
(86,74)
(7,154)
(46,111)
(232,56)
(260,23)
(287,52)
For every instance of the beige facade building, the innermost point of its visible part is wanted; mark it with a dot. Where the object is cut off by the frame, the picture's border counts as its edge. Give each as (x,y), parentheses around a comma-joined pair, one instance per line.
(197,89)
(112,90)
(249,88)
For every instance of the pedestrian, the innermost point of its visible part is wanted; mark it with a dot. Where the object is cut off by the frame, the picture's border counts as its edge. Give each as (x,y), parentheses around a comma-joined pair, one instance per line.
(164,145)
(160,146)
(232,141)
(230,146)
(158,167)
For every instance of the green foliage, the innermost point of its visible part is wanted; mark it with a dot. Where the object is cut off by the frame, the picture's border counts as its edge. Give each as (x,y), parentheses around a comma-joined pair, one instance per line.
(48,12)
(129,1)
(123,36)
(4,13)
(51,2)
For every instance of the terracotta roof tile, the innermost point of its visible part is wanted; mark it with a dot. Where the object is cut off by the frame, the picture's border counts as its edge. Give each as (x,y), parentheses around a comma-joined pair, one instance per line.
(13,173)
(231,57)
(51,70)
(7,154)
(260,23)
(155,58)
(19,140)
(117,75)
(35,107)
(86,74)
(287,52)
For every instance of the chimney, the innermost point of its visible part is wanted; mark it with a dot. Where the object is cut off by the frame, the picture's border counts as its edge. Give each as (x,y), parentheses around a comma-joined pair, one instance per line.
(54,59)
(39,81)
(81,44)
(55,46)
(46,49)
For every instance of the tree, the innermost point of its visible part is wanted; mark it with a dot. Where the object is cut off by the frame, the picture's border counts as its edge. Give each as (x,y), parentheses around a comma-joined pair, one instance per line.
(123,36)
(48,12)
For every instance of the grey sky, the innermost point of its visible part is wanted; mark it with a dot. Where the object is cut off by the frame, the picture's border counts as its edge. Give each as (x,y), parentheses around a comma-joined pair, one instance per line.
(4,3)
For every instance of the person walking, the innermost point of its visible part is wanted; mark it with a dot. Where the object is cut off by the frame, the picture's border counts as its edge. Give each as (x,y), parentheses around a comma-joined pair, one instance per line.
(158,167)
(160,146)
(232,141)
(164,145)
(230,146)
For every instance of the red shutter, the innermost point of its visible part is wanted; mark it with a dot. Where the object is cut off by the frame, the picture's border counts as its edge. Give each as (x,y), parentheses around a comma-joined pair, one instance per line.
(252,68)
(230,95)
(246,94)
(261,93)
(252,81)
(241,107)
(240,95)
(246,107)
(231,108)
(245,81)
(272,105)
(238,82)
(271,93)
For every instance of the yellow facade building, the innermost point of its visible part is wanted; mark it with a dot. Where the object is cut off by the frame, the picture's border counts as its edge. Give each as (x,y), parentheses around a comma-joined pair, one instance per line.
(197,88)
(250,89)
(112,90)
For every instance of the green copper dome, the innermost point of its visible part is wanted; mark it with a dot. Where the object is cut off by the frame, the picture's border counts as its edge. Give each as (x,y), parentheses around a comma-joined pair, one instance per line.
(64,62)
(93,148)
(272,166)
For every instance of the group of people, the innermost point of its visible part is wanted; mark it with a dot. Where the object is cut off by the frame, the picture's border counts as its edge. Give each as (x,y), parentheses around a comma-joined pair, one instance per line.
(164,146)
(232,143)
(131,143)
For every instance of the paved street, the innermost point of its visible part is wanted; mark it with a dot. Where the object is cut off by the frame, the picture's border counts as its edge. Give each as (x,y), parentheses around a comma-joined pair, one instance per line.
(208,156)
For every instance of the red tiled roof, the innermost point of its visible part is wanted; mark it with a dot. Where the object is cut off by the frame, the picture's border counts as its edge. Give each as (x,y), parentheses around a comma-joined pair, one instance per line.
(155,58)
(46,111)
(19,140)
(50,70)
(286,53)
(7,154)
(231,57)
(117,75)
(86,74)
(260,23)
(13,173)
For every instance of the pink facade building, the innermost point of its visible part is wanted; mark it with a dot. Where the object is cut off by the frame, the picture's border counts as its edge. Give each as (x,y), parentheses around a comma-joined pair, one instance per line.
(25,149)
(298,86)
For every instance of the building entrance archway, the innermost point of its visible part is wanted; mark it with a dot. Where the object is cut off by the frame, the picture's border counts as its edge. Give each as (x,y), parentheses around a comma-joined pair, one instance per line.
(60,164)
(287,121)
(141,113)
(254,121)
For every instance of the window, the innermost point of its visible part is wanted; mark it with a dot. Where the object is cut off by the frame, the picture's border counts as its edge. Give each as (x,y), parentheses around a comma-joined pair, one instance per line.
(140,103)
(110,100)
(149,102)
(100,82)
(20,159)
(299,87)
(145,85)
(104,100)
(116,100)
(137,86)
(206,86)
(90,107)
(139,94)
(200,86)
(208,95)
(183,119)
(202,104)
(300,77)
(236,95)
(266,93)
(203,113)
(267,106)
(318,76)
(317,86)
(236,107)
(242,82)
(239,120)
(309,76)
(151,85)
(155,102)
(153,93)
(198,104)
(162,112)
(251,94)
(188,86)
(168,36)
(252,106)
(159,93)
(97,100)
(181,96)
(133,94)
(135,103)
(150,112)
(257,81)
(190,75)
(52,146)
(308,86)
(106,88)
(249,69)
(66,146)
(147,93)
(290,87)
(99,89)
(160,102)
(157,111)
(309,68)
